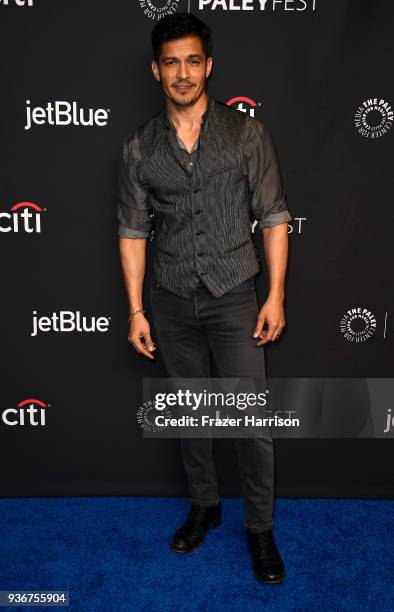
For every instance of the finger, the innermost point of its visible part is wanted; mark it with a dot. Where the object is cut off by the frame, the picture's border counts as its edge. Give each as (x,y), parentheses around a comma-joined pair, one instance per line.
(140,347)
(259,326)
(149,343)
(280,329)
(277,334)
(267,336)
(261,337)
(270,335)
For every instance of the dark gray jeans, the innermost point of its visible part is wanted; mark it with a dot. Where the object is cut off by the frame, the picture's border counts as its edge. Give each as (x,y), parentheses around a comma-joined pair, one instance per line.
(189,330)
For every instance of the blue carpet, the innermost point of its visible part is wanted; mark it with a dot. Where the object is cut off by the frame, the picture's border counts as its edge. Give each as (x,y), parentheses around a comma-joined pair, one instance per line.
(111,553)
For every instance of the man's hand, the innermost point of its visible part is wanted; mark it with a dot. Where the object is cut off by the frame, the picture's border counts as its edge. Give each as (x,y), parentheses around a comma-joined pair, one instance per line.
(273,313)
(140,328)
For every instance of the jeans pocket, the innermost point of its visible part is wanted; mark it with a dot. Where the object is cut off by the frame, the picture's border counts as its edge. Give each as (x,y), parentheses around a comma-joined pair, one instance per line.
(244,287)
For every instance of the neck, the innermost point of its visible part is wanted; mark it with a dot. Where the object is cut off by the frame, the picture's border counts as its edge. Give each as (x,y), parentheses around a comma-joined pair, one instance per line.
(188,116)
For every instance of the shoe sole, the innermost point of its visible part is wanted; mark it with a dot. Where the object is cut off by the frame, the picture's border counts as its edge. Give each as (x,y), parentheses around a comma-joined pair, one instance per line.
(216,523)
(275,581)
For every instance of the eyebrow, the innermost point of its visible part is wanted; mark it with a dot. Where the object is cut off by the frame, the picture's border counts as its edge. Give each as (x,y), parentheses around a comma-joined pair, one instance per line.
(171,57)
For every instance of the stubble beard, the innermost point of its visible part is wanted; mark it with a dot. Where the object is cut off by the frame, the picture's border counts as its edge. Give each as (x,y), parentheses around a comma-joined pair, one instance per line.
(189,100)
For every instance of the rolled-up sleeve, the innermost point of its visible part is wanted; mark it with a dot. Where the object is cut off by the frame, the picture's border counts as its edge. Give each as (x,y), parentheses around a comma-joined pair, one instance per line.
(133,210)
(268,200)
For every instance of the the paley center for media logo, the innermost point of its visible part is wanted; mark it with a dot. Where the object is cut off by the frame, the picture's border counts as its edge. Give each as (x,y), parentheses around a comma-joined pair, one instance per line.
(22,217)
(358,324)
(157,9)
(374,118)
(63,113)
(29,412)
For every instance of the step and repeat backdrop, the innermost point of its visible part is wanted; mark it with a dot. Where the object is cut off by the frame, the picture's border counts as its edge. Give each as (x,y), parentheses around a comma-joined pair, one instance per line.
(76,80)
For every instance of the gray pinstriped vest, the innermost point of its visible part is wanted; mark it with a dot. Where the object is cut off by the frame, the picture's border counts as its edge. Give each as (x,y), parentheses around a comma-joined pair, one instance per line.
(202,219)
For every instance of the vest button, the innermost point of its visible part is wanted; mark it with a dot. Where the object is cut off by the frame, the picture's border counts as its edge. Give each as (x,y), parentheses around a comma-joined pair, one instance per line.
(199,232)
(197,212)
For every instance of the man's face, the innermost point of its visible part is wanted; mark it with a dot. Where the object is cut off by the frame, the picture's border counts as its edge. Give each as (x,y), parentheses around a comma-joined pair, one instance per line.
(182,70)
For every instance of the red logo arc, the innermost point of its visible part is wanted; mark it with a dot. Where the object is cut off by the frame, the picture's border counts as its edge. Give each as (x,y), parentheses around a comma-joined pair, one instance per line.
(31,401)
(26,204)
(241,99)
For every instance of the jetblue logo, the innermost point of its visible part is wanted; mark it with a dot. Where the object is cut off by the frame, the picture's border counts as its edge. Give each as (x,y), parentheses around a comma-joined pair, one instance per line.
(67,321)
(389,421)
(65,113)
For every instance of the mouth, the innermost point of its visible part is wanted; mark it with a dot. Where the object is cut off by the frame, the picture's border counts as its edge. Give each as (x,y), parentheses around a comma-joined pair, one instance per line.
(183,87)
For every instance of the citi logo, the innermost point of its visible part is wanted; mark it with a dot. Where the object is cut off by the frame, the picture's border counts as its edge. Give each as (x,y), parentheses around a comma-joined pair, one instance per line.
(17,2)
(23,217)
(67,321)
(28,412)
(63,113)
(243,104)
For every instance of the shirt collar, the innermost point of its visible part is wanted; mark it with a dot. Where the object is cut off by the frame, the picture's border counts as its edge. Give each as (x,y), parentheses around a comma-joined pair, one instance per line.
(211,102)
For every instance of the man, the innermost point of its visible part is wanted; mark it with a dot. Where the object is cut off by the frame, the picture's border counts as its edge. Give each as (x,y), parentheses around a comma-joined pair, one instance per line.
(207,171)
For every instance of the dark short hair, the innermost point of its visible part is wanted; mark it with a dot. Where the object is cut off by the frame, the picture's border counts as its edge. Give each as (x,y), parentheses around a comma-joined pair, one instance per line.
(179,25)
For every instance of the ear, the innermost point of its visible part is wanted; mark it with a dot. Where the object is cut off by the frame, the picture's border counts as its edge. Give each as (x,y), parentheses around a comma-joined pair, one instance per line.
(209,67)
(155,70)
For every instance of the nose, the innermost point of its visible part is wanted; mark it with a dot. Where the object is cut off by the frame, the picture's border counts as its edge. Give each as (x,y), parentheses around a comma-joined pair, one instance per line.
(183,71)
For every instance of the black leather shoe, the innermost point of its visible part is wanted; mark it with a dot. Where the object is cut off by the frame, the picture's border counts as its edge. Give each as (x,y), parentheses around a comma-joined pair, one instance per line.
(267,563)
(194,529)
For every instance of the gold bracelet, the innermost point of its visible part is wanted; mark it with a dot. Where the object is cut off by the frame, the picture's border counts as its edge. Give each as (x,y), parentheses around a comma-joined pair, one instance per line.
(135,312)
